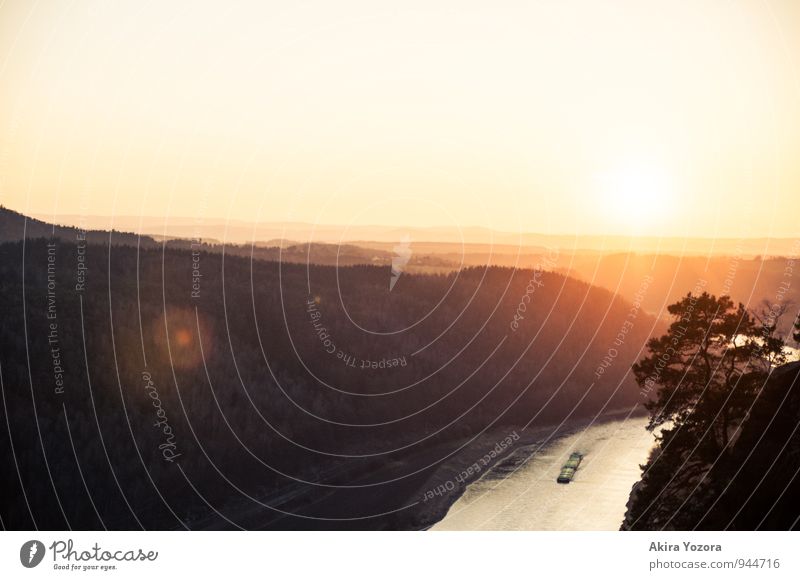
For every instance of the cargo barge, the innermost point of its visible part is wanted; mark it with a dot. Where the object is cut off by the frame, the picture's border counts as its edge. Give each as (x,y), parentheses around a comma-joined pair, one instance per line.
(569,469)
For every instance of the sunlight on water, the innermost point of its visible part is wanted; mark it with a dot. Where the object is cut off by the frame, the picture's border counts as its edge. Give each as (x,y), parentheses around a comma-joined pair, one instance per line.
(521,493)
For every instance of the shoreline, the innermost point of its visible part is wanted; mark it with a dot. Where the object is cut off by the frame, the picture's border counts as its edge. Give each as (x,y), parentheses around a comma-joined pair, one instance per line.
(439,505)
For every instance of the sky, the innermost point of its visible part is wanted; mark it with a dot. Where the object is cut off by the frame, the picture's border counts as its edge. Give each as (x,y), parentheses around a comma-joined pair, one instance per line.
(656,118)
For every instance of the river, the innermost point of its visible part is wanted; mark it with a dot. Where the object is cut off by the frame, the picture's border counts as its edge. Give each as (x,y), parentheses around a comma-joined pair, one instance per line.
(521,493)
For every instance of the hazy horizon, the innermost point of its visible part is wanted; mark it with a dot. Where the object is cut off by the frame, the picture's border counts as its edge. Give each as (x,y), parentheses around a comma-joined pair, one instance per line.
(426,238)
(71,219)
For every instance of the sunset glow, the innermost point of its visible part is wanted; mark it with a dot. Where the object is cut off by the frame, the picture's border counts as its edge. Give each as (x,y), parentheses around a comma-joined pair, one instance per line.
(502,115)
(636,197)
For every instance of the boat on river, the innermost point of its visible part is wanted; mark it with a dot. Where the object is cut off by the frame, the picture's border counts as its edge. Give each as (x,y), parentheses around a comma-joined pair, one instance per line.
(570,467)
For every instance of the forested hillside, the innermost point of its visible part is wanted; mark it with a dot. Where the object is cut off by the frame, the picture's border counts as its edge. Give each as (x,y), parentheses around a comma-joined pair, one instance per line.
(158,387)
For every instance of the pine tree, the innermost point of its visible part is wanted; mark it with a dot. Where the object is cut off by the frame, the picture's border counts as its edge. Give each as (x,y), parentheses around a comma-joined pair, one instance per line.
(708,369)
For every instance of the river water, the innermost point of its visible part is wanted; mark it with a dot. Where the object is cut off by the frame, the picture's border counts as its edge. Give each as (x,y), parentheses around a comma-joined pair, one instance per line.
(521,492)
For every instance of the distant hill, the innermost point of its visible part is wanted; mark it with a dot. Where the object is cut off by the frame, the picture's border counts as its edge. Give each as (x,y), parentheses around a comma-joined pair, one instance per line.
(15,226)
(747,280)
(450,239)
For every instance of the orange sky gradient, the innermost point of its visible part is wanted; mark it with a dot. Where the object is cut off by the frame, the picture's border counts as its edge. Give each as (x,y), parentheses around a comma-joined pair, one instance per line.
(577,117)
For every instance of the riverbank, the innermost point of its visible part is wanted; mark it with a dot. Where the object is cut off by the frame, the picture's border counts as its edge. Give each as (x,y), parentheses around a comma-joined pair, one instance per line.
(420,489)
(519,491)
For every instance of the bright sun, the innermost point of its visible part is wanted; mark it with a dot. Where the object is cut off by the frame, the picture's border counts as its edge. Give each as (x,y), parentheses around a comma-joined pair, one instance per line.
(635,197)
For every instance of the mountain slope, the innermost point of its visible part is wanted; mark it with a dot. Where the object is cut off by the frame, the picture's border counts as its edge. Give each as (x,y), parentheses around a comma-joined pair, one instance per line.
(276,381)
